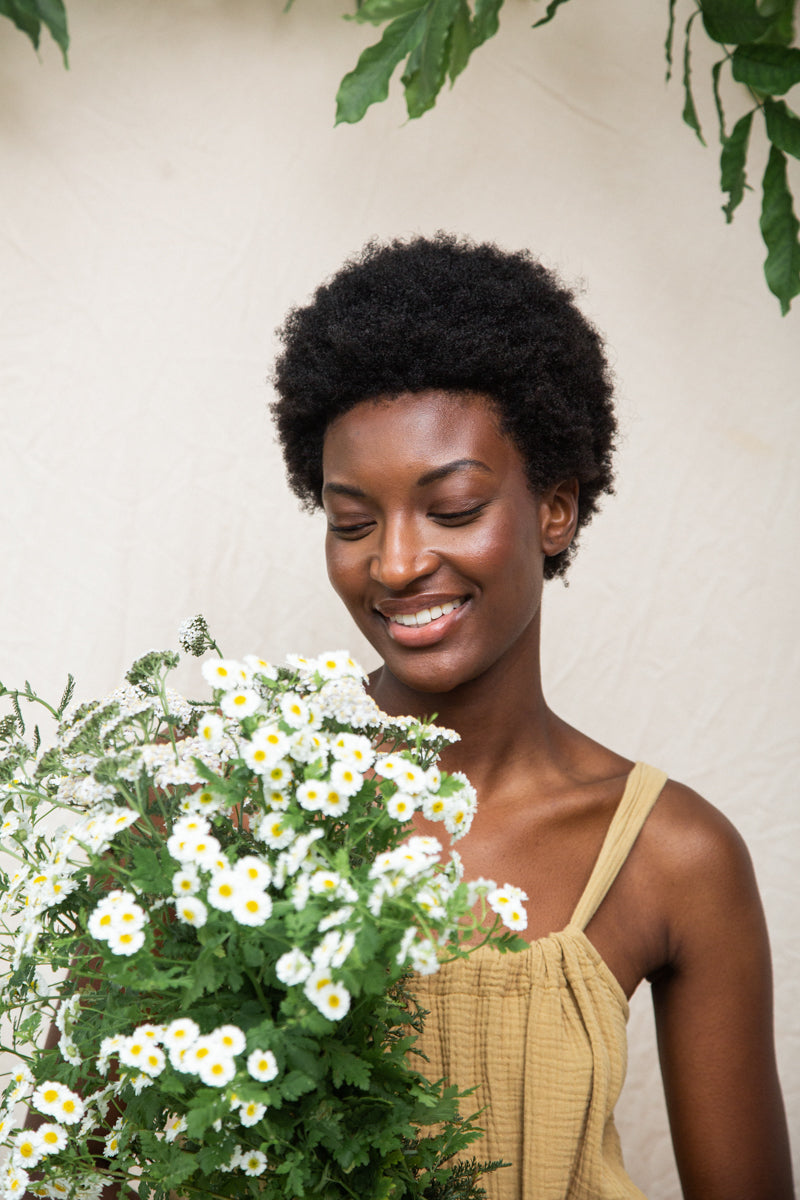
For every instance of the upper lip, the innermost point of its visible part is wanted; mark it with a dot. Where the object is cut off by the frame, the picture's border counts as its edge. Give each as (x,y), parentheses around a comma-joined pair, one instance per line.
(405,606)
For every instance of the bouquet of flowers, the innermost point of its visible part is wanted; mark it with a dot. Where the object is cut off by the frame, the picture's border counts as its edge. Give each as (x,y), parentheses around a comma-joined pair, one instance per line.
(223,935)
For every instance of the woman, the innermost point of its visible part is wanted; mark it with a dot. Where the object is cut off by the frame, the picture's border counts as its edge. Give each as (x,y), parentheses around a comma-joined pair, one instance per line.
(450,409)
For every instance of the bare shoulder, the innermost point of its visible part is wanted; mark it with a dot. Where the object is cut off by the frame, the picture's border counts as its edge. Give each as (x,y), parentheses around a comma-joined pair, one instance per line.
(694,845)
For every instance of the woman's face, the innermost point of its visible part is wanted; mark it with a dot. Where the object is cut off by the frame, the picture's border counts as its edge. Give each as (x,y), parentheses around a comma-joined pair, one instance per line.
(435,540)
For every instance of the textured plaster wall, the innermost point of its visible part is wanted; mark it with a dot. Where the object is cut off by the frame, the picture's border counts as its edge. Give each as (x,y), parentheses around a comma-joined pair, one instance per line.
(168,198)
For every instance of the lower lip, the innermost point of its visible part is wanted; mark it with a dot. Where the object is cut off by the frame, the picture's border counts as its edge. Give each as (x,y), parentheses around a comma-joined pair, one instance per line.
(425,635)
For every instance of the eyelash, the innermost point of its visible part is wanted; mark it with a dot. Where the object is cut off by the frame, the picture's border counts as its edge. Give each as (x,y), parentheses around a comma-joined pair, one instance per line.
(462,515)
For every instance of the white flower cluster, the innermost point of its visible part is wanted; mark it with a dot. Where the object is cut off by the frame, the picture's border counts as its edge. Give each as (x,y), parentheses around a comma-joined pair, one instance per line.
(211,1056)
(272,825)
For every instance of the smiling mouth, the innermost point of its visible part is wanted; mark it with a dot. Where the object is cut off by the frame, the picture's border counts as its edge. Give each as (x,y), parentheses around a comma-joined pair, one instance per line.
(426,615)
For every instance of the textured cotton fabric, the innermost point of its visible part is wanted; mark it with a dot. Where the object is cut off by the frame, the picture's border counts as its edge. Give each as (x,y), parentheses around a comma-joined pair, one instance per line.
(542,1034)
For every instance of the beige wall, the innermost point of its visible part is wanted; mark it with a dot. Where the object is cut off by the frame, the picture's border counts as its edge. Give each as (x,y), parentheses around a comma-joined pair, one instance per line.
(168,198)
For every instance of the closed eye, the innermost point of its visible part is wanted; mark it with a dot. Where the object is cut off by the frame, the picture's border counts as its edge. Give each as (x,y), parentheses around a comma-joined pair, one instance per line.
(351,531)
(463,516)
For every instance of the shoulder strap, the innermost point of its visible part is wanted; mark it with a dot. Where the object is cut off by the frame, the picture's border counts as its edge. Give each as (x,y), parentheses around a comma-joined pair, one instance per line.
(642,789)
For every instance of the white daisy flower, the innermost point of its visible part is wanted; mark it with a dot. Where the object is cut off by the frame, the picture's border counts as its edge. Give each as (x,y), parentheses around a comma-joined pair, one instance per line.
(274,832)
(28,1149)
(508,903)
(294,710)
(278,776)
(311,794)
(293,967)
(111,1145)
(253,871)
(260,666)
(223,889)
(192,911)
(173,1127)
(186,882)
(251,1113)
(262,1065)
(252,908)
(181,1033)
(334,802)
(388,765)
(409,777)
(424,958)
(401,806)
(332,1000)
(225,673)
(355,749)
(434,807)
(14,1182)
(301,891)
(430,903)
(337,917)
(276,800)
(345,778)
(54,1137)
(231,1039)
(337,664)
(334,949)
(201,850)
(325,883)
(126,941)
(240,703)
(216,1069)
(211,730)
(153,1060)
(253,1162)
(433,778)
(308,746)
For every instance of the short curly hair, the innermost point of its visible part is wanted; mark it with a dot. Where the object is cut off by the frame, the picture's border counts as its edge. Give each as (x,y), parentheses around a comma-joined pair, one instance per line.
(447,313)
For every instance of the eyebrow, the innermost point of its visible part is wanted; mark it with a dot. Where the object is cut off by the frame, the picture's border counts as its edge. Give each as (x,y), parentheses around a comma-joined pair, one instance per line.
(451,468)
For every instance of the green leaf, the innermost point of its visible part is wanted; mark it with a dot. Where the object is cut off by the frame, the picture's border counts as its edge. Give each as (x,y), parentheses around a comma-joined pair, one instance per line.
(460,41)
(735,21)
(779,228)
(771,70)
(551,12)
(715,70)
(732,163)
(782,14)
(377,11)
(368,82)
(25,17)
(427,65)
(783,127)
(670,38)
(485,21)
(54,16)
(689,110)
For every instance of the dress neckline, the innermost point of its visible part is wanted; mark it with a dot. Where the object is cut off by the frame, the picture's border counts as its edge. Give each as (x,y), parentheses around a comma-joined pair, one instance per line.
(643,786)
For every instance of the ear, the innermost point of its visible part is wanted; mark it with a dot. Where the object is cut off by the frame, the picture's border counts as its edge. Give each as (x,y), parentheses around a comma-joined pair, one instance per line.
(558,515)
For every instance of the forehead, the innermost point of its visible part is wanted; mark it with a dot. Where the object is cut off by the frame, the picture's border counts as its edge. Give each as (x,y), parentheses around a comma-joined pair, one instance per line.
(418,432)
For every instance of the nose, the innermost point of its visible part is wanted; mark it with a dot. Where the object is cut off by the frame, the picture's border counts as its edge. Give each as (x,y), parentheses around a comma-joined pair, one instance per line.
(402,556)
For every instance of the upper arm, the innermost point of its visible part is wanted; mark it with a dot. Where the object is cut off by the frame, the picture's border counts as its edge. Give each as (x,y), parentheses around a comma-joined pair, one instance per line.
(713,1005)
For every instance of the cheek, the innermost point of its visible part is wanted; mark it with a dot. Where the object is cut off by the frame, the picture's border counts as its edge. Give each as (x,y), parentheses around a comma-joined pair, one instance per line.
(343,568)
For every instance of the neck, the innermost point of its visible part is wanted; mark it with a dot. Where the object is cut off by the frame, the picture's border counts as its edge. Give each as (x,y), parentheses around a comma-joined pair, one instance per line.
(501,716)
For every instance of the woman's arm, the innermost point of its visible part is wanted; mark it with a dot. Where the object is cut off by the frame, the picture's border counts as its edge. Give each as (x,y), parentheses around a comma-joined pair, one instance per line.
(713,1007)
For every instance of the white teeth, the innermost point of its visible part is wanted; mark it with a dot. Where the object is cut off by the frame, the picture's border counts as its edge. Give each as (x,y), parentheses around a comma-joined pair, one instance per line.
(426,615)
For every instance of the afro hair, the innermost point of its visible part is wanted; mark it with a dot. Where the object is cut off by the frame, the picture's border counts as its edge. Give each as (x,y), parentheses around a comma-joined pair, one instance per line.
(447,313)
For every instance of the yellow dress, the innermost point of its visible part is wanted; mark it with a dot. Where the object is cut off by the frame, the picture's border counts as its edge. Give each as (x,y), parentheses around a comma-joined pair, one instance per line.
(543,1035)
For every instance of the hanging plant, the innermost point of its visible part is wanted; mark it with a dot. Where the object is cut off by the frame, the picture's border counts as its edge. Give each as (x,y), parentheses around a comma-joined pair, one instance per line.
(434,39)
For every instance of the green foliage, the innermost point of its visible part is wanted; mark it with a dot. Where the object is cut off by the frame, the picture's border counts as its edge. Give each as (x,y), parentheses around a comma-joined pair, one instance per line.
(435,39)
(31,15)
